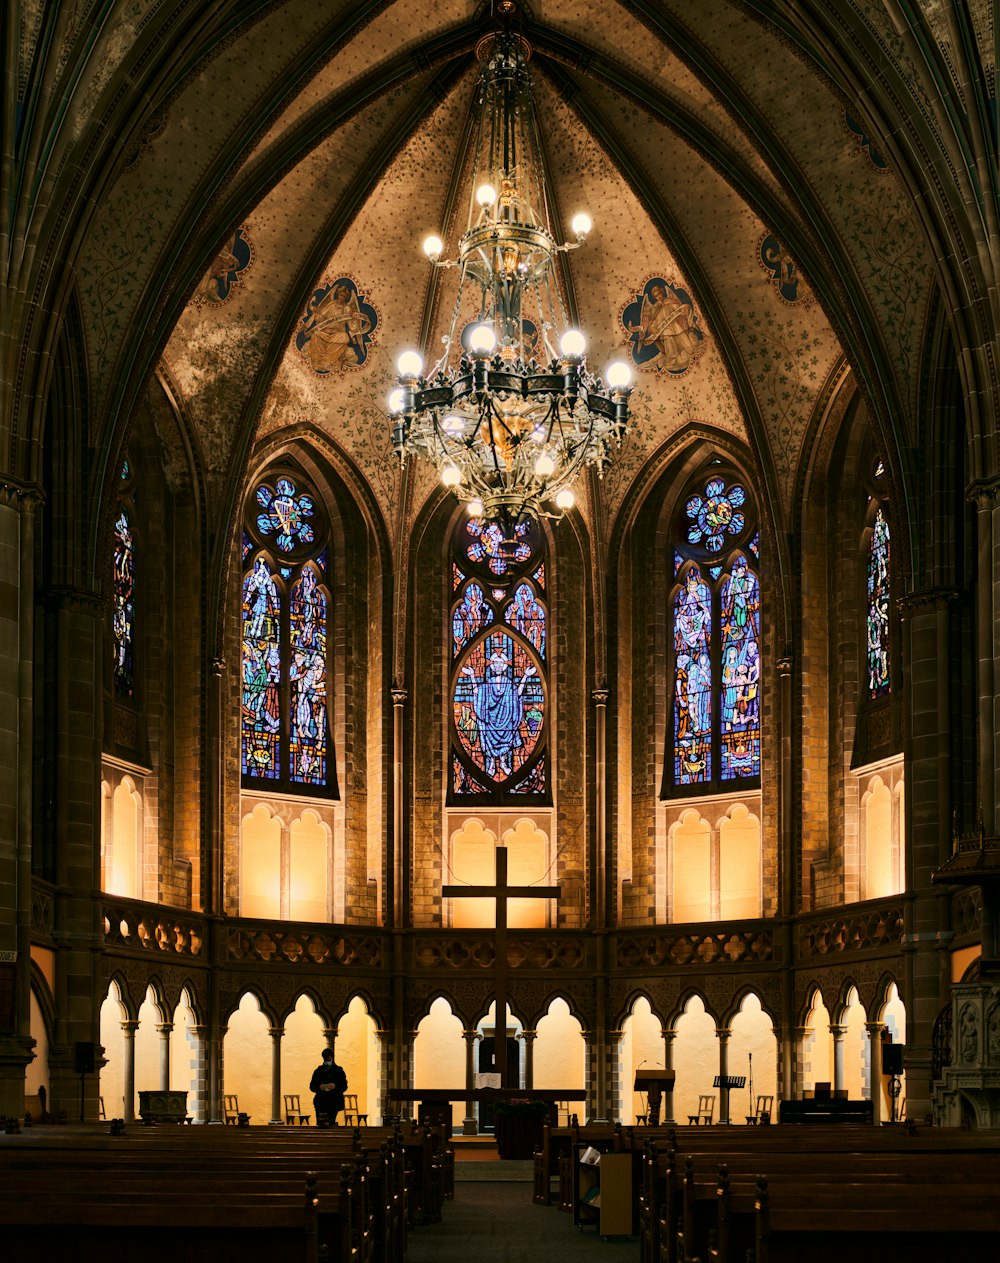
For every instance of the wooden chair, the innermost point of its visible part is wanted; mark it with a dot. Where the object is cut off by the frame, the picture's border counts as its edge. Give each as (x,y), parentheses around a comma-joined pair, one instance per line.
(706,1108)
(230,1110)
(100,1108)
(351,1116)
(762,1113)
(293,1111)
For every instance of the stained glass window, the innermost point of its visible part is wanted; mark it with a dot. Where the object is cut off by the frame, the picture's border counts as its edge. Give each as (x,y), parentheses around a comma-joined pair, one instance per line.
(715,621)
(123,598)
(499,688)
(878,607)
(285,630)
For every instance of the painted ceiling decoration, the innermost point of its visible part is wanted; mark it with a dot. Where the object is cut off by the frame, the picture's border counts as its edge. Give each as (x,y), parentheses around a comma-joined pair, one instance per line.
(245,240)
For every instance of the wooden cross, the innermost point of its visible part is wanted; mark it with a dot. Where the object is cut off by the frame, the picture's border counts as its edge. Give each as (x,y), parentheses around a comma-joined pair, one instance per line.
(501,892)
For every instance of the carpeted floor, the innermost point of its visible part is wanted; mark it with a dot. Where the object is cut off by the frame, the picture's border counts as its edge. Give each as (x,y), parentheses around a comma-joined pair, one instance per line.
(497,1222)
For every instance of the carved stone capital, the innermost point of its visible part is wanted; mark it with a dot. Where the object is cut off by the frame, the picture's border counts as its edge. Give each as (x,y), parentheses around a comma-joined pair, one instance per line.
(600,696)
(77,601)
(399,696)
(984,493)
(25,497)
(785,665)
(932,599)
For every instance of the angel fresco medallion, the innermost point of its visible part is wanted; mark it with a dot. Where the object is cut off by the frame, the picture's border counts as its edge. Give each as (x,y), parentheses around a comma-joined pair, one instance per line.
(782,271)
(663,329)
(338,328)
(228,269)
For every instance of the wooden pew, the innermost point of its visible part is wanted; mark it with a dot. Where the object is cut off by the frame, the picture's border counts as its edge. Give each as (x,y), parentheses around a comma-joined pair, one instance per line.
(689,1207)
(97,1177)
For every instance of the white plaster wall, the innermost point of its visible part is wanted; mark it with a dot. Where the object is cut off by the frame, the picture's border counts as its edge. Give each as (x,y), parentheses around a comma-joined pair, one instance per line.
(696,1059)
(439,1054)
(641,1047)
(112,1078)
(752,1046)
(560,1055)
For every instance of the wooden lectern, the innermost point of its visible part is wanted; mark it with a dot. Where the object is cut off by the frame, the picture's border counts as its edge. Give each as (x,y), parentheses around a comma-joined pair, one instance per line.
(654,1083)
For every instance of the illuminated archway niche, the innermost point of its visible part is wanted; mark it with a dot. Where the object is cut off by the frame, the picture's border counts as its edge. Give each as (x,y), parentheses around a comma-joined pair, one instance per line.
(691,869)
(439,1053)
(112,1080)
(302,1050)
(309,865)
(641,1046)
(560,1053)
(357,1052)
(246,1054)
(817,1046)
(752,1046)
(187,1058)
(37,1072)
(148,1041)
(856,1047)
(527,865)
(260,875)
(881,840)
(696,1059)
(473,863)
(894,1017)
(122,840)
(739,864)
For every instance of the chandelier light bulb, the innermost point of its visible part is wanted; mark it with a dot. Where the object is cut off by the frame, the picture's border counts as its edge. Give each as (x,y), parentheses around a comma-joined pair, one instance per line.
(582,224)
(482,340)
(475,507)
(396,400)
(453,426)
(573,344)
(619,375)
(410,364)
(545,465)
(565,499)
(433,246)
(451,475)
(486,195)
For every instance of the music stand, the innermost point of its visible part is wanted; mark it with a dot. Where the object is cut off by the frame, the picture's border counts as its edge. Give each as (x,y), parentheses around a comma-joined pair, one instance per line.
(654,1083)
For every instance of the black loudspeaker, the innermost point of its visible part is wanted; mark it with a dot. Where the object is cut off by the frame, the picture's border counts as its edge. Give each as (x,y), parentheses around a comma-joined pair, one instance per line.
(84,1058)
(892,1058)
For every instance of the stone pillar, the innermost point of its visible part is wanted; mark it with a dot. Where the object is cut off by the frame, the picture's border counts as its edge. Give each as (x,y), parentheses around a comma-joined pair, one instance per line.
(128,1091)
(400,886)
(928,648)
(724,1034)
(838,1033)
(470,1125)
(528,1038)
(789,883)
(800,1035)
(17,640)
(874,1085)
(613,1060)
(602,894)
(668,1064)
(277,1113)
(165,1030)
(200,1108)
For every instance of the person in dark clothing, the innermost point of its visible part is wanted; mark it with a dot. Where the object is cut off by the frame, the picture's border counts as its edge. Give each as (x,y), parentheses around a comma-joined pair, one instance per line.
(328,1085)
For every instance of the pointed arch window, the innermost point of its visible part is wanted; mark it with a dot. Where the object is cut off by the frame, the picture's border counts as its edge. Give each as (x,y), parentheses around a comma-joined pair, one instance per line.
(715,658)
(286,608)
(123,586)
(879,573)
(499,633)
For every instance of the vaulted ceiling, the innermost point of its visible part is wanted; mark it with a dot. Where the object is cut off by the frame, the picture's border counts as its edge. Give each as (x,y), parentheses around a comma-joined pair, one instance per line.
(191,176)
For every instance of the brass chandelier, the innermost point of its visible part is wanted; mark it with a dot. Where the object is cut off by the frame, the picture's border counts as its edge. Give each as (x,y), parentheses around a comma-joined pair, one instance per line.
(509,414)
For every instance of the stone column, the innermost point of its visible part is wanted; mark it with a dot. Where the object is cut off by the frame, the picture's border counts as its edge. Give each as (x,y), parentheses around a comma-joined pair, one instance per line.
(800,1035)
(838,1033)
(874,1085)
(528,1038)
(724,1034)
(165,1030)
(17,639)
(200,1107)
(789,879)
(277,1113)
(928,648)
(128,1091)
(668,1064)
(400,887)
(470,1125)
